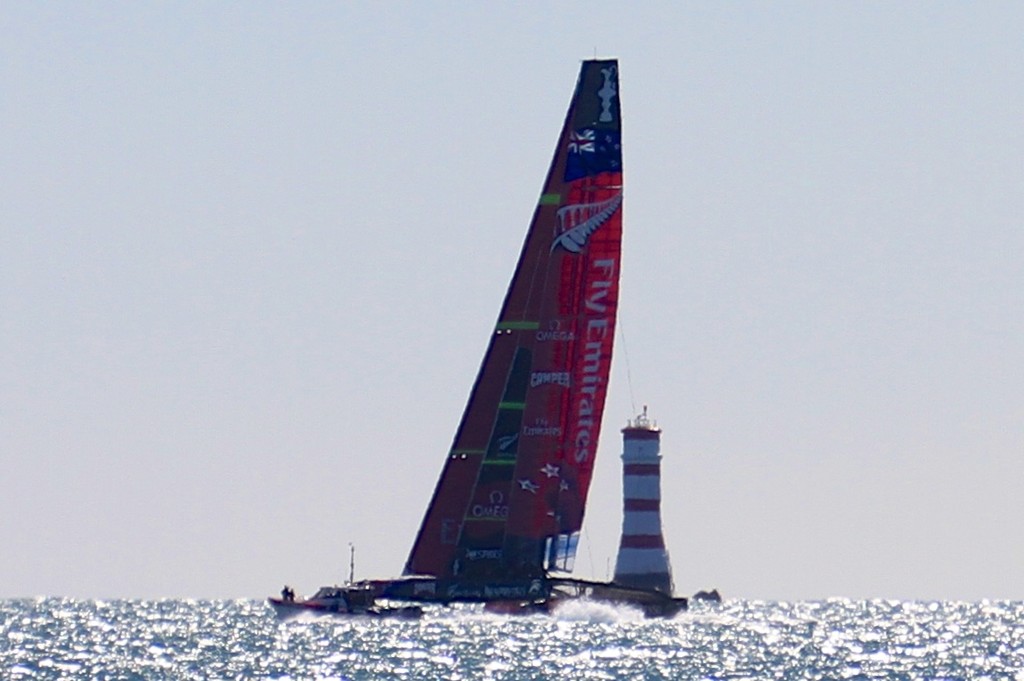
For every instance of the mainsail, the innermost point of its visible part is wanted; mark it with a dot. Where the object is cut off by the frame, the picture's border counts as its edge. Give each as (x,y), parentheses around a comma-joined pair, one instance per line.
(510,500)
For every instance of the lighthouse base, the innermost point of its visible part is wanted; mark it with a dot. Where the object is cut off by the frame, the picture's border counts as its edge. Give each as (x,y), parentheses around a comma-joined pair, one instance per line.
(648,581)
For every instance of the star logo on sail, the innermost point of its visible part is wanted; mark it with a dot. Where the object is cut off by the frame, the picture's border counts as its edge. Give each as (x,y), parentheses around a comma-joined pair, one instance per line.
(529,485)
(550,470)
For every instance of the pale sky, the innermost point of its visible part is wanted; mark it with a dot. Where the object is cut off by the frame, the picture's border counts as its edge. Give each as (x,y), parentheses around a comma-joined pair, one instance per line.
(251,255)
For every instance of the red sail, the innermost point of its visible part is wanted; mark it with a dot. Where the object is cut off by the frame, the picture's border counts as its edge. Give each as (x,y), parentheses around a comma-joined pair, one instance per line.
(511,497)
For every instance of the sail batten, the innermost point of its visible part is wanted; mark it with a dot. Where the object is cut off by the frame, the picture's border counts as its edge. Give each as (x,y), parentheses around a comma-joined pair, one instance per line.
(511,497)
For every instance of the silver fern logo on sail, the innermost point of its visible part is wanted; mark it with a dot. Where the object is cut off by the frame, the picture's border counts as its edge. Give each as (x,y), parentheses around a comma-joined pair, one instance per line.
(577,222)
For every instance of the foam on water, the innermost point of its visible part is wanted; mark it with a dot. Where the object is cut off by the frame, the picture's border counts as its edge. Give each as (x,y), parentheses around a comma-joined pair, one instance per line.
(582,610)
(836,639)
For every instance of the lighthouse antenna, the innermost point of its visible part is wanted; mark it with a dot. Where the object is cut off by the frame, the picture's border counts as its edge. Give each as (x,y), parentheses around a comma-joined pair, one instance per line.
(351,563)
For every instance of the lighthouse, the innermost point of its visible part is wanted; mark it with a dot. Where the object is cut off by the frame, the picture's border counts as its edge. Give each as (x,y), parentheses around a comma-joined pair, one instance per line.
(643,559)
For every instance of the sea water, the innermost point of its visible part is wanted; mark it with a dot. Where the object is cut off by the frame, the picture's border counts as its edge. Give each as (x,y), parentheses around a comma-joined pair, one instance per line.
(52,638)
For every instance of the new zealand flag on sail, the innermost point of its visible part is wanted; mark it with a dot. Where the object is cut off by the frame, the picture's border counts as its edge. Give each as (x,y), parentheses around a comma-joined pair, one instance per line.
(594,145)
(593,151)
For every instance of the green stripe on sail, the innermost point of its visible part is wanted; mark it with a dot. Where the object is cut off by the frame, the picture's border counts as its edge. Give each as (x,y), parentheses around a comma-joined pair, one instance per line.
(485,519)
(550,199)
(519,406)
(499,462)
(518,326)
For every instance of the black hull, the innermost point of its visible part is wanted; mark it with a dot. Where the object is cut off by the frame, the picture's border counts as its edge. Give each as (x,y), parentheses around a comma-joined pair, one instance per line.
(530,596)
(289,609)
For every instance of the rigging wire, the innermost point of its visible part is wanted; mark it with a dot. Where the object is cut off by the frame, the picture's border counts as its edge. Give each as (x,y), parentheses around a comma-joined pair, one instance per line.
(590,554)
(629,373)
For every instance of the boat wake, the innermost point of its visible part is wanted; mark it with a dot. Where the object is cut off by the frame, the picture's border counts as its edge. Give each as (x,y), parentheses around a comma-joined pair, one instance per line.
(573,610)
(584,610)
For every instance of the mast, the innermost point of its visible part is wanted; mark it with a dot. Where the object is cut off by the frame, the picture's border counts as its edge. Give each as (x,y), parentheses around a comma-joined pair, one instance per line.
(511,497)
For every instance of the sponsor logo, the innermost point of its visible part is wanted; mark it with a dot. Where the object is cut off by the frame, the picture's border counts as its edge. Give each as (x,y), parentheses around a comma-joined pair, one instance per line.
(494,508)
(554,333)
(555,336)
(542,427)
(597,340)
(511,591)
(538,378)
(489,511)
(483,554)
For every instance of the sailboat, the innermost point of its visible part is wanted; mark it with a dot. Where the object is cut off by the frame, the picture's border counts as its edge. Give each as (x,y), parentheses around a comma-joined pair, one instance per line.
(504,521)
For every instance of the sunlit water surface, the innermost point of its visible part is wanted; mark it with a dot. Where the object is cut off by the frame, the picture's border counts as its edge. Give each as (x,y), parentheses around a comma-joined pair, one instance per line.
(837,639)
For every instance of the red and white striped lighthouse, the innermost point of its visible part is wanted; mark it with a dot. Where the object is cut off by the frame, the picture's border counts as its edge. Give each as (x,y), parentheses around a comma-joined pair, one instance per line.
(643,559)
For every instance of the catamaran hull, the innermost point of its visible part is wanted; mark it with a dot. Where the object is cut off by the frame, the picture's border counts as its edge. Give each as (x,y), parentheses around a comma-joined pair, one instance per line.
(541,595)
(530,596)
(289,609)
